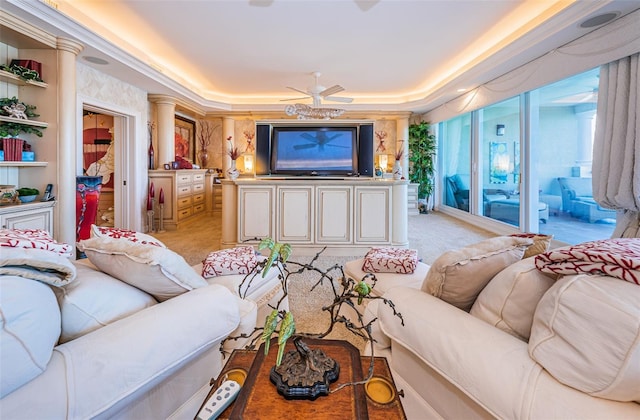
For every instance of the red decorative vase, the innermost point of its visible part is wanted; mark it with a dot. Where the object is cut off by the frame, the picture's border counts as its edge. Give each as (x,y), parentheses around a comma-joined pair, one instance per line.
(152,162)
(87,197)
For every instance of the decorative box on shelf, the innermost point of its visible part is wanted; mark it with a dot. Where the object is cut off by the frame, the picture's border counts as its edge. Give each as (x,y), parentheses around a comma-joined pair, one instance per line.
(29,64)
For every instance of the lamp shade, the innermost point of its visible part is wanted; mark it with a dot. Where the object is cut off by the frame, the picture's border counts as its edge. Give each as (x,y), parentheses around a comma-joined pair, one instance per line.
(383,161)
(248,163)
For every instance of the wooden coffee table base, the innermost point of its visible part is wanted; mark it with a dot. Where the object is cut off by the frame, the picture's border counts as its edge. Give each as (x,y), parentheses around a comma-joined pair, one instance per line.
(260,399)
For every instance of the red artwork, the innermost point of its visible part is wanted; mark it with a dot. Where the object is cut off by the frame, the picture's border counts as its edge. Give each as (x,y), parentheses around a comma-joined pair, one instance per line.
(181,146)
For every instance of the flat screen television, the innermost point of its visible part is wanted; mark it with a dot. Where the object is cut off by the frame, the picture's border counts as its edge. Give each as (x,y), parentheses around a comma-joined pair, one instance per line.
(314,151)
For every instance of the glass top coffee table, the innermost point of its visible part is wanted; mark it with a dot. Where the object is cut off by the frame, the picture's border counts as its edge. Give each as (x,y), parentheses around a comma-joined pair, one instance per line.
(259,399)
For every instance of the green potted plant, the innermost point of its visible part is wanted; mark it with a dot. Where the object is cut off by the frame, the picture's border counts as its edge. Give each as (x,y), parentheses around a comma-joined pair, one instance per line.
(422,156)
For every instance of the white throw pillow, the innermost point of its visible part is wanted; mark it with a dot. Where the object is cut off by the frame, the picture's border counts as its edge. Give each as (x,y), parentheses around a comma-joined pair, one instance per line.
(96,299)
(509,301)
(158,271)
(30,321)
(586,334)
(458,276)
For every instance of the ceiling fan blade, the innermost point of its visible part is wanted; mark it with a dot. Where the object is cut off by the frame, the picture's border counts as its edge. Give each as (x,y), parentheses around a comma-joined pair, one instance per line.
(330,91)
(298,90)
(295,99)
(304,146)
(339,99)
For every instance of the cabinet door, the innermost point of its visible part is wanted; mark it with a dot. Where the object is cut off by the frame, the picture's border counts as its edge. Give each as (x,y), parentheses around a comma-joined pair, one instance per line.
(374,214)
(255,212)
(29,219)
(165,182)
(295,214)
(334,215)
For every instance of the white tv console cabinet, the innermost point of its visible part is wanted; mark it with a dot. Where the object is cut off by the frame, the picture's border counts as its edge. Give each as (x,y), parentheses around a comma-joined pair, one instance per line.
(346,215)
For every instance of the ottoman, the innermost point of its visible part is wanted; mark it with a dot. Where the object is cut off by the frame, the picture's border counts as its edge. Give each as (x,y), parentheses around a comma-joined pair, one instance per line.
(508,210)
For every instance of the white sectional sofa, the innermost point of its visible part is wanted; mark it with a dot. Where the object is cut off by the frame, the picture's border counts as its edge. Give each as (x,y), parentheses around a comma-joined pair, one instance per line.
(78,341)
(533,345)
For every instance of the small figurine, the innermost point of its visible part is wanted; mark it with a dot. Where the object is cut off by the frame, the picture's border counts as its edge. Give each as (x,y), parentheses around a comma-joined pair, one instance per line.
(17,111)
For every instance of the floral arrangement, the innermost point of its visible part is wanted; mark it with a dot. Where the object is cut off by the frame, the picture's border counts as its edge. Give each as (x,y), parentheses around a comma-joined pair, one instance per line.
(234,153)
(205,133)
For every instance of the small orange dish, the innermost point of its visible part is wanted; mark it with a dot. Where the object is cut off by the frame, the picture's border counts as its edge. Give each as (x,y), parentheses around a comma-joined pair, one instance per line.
(380,390)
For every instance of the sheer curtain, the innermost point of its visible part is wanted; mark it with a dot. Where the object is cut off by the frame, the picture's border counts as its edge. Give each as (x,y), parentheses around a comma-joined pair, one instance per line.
(616,149)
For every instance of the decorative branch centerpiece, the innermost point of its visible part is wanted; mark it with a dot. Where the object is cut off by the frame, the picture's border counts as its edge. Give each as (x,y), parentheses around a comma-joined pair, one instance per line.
(205,133)
(306,373)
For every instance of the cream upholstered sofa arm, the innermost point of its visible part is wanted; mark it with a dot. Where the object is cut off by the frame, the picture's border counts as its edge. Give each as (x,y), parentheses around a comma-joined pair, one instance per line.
(490,366)
(109,368)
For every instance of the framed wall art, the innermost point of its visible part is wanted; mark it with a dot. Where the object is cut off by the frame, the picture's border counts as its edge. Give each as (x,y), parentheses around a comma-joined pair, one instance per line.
(185,139)
(498,163)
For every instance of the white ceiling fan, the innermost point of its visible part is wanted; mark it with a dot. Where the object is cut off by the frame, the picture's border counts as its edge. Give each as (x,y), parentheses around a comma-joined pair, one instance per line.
(317,92)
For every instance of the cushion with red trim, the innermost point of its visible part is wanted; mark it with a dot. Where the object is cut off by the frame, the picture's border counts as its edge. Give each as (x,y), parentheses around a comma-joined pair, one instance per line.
(33,238)
(239,260)
(619,257)
(124,234)
(390,260)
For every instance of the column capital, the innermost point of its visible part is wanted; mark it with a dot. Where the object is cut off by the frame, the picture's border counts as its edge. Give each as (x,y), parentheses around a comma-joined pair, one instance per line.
(162,99)
(69,45)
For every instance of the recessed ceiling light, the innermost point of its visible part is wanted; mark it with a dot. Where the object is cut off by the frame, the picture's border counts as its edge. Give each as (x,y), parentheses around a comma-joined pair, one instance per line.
(461,90)
(95,60)
(599,20)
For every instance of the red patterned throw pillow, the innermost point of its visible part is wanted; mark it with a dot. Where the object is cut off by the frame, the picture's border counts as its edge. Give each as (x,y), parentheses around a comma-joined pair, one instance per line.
(124,234)
(240,260)
(33,238)
(390,260)
(618,258)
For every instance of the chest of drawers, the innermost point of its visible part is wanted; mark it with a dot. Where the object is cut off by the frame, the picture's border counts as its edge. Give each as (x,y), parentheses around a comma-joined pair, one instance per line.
(184,194)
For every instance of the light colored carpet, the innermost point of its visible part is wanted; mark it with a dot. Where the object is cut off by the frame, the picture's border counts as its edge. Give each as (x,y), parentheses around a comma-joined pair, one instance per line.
(431,234)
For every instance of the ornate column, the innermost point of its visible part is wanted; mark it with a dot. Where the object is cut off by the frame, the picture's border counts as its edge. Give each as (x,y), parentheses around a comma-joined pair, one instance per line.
(166,126)
(67,144)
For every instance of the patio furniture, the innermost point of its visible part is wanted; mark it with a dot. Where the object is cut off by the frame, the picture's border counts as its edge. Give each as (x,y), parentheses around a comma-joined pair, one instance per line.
(577,199)
(591,211)
(508,210)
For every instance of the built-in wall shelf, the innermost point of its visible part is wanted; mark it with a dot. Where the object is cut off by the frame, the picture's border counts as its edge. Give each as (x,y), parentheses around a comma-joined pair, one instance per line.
(25,122)
(6,76)
(21,163)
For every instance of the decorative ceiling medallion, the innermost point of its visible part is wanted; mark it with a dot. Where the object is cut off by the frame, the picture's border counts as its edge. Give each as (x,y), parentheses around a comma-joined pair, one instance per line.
(305,112)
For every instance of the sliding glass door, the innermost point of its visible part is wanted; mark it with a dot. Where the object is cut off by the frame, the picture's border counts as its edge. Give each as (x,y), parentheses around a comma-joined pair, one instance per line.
(455,153)
(499,140)
(526,161)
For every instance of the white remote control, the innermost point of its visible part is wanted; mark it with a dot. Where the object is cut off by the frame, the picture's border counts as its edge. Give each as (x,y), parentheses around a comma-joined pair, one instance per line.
(219,400)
